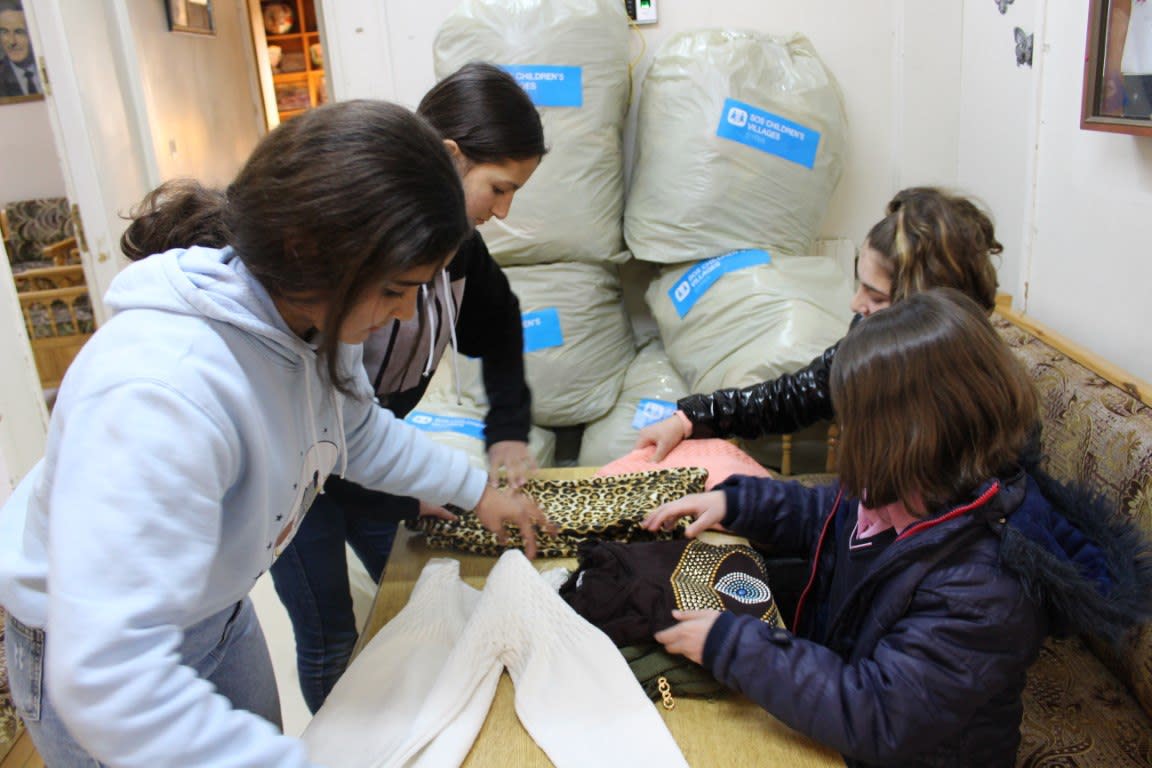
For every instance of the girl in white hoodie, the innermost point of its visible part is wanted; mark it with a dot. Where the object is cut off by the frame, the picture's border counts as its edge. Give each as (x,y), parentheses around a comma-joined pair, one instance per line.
(192,431)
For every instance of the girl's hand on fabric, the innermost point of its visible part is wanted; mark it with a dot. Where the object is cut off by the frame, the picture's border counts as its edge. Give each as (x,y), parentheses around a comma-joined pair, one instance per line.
(440,513)
(688,636)
(511,460)
(708,509)
(665,435)
(501,506)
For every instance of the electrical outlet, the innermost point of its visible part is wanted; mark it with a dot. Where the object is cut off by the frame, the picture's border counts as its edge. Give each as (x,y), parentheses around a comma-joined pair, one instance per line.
(641,11)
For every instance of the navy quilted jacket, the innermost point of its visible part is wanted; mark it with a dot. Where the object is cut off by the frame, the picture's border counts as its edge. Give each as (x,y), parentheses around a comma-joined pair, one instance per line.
(925,662)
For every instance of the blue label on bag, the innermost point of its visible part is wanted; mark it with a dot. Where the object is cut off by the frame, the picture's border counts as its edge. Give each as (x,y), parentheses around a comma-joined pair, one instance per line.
(651,411)
(430,422)
(700,278)
(768,132)
(549,86)
(542,329)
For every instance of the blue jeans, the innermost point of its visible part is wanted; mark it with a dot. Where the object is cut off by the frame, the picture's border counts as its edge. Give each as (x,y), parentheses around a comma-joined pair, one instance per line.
(311,576)
(226,649)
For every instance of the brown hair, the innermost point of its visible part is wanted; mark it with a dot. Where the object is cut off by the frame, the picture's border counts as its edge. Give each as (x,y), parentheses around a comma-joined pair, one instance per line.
(931,239)
(329,205)
(930,401)
(486,112)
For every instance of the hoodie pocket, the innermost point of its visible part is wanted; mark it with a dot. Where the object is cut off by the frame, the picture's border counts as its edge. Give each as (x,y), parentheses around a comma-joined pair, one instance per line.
(25,648)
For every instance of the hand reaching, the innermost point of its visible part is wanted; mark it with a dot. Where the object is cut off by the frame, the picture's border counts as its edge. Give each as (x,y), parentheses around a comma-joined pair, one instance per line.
(708,509)
(440,513)
(500,505)
(665,435)
(510,459)
(688,636)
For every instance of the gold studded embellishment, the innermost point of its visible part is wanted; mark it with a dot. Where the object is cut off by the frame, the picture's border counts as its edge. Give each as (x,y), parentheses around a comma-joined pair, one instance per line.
(696,587)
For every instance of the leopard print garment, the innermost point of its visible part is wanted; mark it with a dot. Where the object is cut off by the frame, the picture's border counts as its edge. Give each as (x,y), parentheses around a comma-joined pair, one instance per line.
(591,509)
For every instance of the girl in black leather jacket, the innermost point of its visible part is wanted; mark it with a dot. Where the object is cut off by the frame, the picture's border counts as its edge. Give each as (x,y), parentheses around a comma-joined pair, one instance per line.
(938,565)
(927,239)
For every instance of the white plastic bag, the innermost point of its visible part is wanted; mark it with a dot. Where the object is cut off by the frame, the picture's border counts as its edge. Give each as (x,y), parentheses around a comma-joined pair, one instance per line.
(740,144)
(572,54)
(577,343)
(651,388)
(749,316)
(460,424)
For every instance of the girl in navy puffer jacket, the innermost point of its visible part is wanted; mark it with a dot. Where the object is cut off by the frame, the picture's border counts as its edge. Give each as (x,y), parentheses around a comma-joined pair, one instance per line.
(938,566)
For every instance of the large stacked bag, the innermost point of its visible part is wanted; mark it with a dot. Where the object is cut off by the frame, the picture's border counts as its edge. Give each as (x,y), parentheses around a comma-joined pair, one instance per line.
(651,388)
(577,343)
(749,316)
(740,143)
(572,58)
(459,422)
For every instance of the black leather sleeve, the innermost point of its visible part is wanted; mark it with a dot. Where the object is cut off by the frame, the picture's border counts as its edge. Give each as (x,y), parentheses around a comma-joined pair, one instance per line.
(786,404)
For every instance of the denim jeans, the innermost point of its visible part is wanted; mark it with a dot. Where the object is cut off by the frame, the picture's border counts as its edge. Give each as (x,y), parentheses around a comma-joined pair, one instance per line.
(226,649)
(311,576)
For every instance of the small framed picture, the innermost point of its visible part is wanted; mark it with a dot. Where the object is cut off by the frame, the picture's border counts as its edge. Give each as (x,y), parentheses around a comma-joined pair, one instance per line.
(1118,67)
(193,16)
(19,75)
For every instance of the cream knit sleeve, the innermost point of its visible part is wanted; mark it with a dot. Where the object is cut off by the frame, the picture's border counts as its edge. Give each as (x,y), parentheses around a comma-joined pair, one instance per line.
(575,694)
(370,711)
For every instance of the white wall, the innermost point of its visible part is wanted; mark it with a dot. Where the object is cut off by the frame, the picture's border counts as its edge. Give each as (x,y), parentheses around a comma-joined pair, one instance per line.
(997,127)
(1091,264)
(23,416)
(30,165)
(201,107)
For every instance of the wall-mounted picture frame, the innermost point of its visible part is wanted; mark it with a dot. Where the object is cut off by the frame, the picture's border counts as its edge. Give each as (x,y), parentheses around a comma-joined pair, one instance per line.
(1117,94)
(19,75)
(191,16)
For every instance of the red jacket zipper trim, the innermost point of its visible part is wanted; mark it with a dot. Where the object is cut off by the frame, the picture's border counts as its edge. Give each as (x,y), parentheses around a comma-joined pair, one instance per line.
(815,560)
(980,501)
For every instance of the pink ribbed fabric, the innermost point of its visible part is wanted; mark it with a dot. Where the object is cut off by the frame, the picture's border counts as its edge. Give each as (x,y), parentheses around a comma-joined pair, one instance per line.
(719,457)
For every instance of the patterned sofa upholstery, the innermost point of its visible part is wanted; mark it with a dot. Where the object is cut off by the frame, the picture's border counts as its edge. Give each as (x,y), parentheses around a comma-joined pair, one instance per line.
(1086,705)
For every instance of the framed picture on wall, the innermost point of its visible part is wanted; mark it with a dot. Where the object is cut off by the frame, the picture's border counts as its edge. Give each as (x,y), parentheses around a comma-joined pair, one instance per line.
(1118,67)
(193,16)
(19,76)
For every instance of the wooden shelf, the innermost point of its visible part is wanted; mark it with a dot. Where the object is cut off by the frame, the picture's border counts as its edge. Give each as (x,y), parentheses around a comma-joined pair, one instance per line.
(297,83)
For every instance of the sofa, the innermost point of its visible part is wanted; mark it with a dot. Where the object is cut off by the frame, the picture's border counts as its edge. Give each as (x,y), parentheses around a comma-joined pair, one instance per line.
(1086,704)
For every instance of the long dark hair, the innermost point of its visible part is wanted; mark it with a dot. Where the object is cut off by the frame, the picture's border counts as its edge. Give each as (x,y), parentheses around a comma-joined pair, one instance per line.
(328,205)
(488,115)
(932,239)
(930,401)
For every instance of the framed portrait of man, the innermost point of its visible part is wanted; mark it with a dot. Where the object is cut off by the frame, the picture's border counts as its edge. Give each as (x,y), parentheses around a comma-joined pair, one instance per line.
(1118,67)
(19,75)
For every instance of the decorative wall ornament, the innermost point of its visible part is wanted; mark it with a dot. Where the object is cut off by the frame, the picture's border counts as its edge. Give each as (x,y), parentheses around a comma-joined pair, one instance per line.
(1023,47)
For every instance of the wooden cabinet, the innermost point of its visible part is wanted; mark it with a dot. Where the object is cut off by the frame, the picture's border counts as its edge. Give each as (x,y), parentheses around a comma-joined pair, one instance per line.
(289,56)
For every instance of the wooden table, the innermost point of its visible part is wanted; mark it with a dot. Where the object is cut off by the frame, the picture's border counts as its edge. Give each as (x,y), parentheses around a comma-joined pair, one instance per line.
(731,731)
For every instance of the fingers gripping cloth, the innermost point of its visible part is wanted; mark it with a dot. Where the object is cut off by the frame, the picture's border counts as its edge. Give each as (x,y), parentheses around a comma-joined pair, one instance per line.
(574,692)
(591,509)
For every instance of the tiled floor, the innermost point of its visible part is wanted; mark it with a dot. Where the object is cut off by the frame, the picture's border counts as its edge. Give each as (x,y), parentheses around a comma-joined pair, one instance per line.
(278,632)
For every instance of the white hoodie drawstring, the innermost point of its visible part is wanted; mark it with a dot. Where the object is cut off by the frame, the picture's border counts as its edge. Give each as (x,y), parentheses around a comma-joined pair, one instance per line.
(311,410)
(338,404)
(448,298)
(338,401)
(431,330)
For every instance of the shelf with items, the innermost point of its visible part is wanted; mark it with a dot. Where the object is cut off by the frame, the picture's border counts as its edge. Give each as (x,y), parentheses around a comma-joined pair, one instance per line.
(289,56)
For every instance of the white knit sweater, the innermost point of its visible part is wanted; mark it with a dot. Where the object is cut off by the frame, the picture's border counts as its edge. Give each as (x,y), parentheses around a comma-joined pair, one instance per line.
(418,694)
